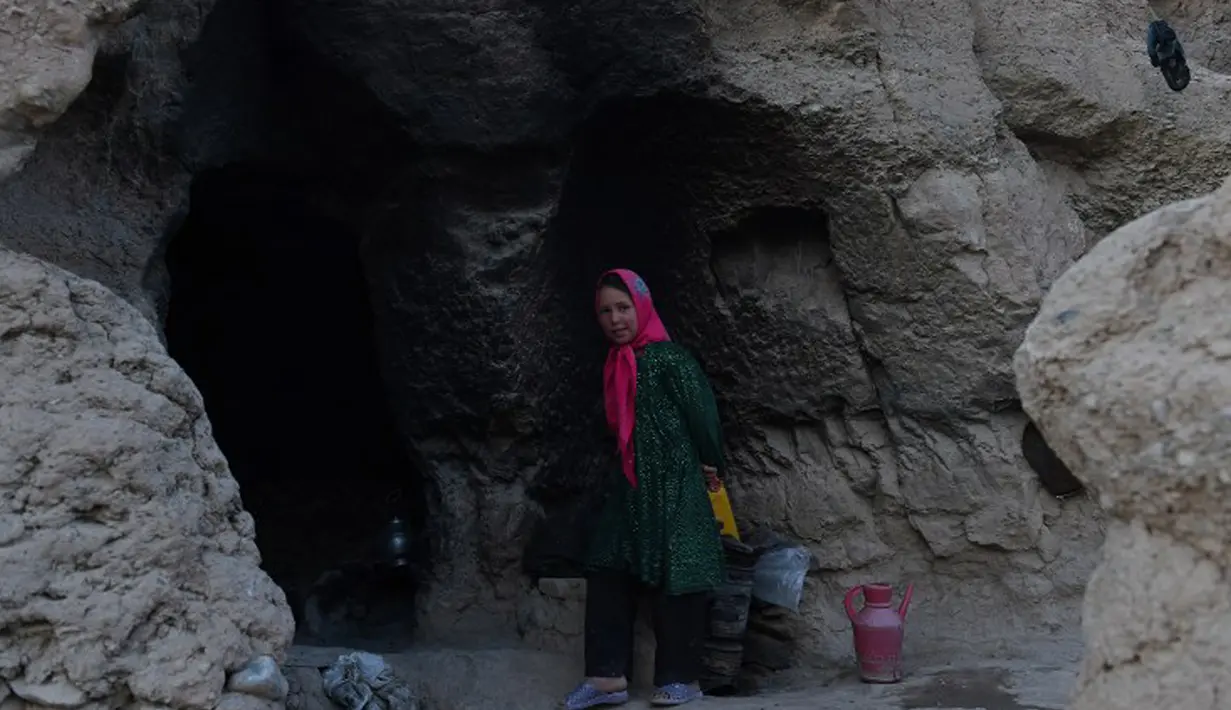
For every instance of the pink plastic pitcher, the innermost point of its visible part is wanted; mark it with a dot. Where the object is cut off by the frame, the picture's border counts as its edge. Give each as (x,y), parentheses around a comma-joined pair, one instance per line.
(878,631)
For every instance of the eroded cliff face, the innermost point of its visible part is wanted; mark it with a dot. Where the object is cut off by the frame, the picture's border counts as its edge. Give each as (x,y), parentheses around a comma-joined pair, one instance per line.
(850,211)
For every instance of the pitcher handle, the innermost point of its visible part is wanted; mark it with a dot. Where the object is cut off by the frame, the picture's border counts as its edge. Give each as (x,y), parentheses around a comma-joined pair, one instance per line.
(849,602)
(905,605)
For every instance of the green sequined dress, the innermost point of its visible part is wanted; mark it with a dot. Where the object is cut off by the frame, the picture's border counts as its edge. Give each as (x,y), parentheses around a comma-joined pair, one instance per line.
(663,532)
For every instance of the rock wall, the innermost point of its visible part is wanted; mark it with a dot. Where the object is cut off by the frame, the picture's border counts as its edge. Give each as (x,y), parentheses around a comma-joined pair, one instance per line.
(47,57)
(1126,370)
(130,570)
(97,194)
(850,210)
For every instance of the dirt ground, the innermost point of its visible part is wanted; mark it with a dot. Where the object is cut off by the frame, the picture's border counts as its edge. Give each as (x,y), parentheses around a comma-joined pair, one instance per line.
(1033,675)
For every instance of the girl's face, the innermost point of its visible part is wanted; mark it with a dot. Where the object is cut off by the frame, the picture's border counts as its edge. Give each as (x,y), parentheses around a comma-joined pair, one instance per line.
(616,315)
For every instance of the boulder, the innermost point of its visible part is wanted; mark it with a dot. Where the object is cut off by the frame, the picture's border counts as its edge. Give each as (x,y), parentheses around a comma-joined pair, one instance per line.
(1127,370)
(130,568)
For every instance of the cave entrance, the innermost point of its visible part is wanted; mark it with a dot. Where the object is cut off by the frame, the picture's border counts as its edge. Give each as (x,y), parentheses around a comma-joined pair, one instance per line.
(622,204)
(620,207)
(269,315)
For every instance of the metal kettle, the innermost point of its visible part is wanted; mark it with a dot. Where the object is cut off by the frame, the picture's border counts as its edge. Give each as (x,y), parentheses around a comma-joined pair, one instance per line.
(396,551)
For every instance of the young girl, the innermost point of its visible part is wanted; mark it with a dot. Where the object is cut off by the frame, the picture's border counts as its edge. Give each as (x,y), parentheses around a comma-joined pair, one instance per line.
(657,532)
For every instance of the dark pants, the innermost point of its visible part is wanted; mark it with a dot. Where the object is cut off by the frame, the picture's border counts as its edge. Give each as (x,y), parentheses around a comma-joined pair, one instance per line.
(680,626)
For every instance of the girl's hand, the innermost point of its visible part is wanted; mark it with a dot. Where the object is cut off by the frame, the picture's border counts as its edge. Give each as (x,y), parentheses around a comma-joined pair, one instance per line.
(712,481)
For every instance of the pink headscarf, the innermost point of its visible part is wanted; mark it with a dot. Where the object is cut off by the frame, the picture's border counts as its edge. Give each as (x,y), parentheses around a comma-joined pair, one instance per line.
(620,372)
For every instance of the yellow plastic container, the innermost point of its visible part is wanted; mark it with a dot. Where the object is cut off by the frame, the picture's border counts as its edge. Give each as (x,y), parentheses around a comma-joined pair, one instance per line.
(722,510)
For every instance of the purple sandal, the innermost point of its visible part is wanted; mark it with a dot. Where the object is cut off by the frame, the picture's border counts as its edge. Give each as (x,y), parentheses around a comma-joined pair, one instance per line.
(675,694)
(587,696)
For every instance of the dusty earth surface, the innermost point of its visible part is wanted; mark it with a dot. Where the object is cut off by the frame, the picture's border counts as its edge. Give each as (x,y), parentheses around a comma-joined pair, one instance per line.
(1009,679)
(850,210)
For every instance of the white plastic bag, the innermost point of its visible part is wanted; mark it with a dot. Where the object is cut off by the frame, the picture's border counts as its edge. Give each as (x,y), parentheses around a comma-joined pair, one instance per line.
(779,576)
(363,681)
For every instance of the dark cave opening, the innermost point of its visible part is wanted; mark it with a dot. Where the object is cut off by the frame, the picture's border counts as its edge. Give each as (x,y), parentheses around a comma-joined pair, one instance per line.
(269,314)
(622,205)
(1053,474)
